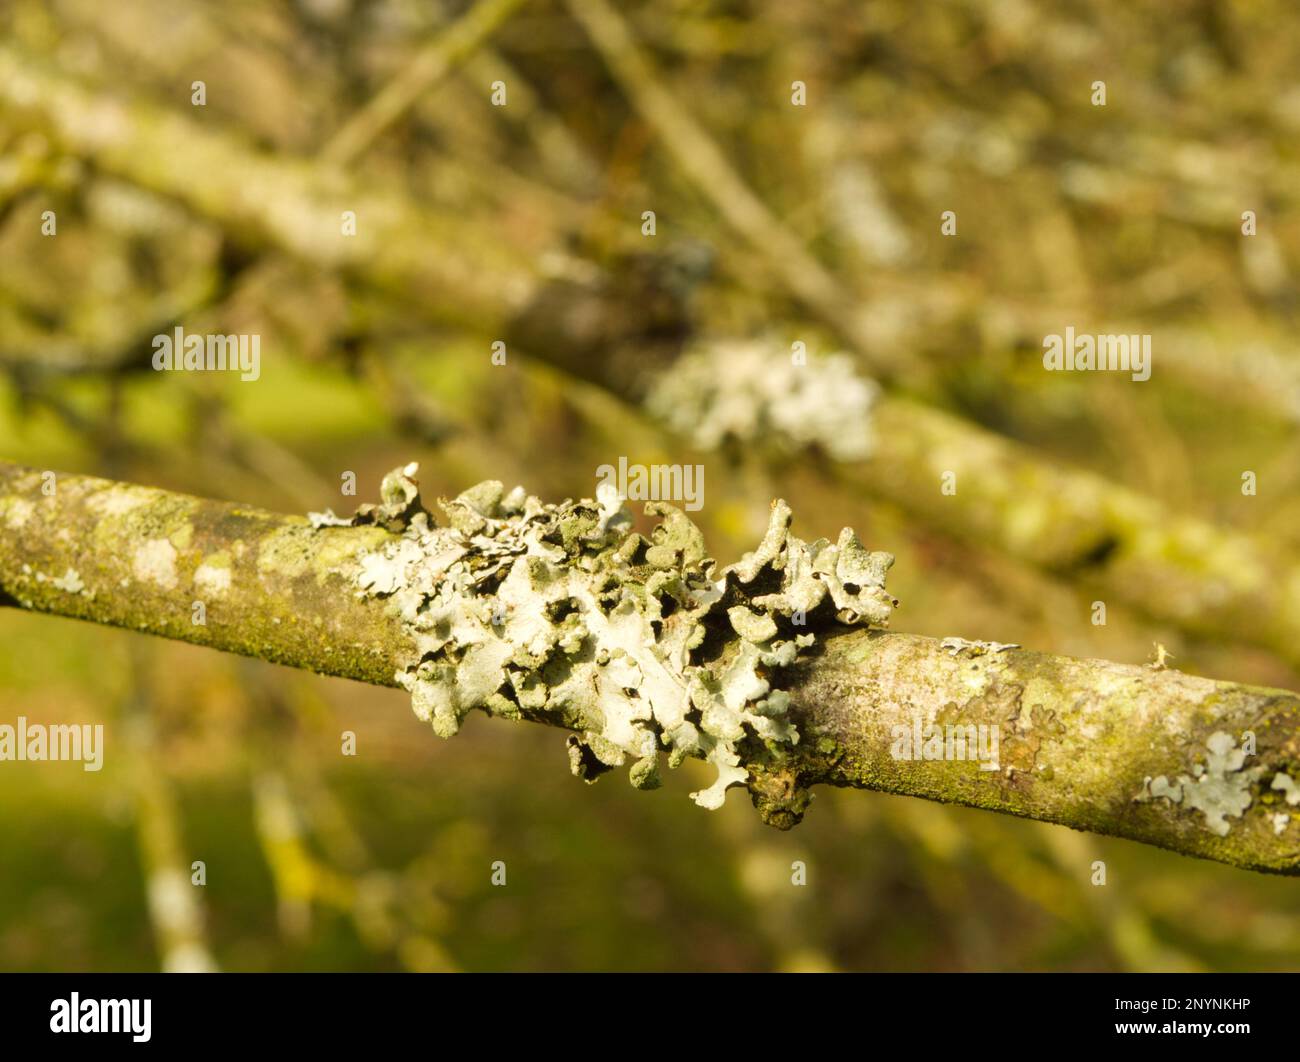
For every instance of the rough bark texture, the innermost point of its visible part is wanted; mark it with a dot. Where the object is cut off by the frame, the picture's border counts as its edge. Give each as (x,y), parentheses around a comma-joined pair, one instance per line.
(1079,739)
(271,586)
(1080,743)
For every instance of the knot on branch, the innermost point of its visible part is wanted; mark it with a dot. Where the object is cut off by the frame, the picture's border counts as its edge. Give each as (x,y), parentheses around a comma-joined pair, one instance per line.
(779,795)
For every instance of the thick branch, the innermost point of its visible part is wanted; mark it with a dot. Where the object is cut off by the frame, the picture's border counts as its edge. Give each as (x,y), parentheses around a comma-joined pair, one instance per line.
(1078,740)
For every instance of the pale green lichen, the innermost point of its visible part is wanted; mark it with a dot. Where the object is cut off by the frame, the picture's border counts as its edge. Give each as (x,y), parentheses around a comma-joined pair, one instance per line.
(69,581)
(958,646)
(155,562)
(1220,788)
(1287,785)
(563,612)
(17,511)
(213,577)
(755,392)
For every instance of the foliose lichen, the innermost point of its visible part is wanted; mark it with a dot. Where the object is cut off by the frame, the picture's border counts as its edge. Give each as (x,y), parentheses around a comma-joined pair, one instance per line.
(1220,788)
(957,646)
(754,392)
(1286,784)
(564,612)
(69,581)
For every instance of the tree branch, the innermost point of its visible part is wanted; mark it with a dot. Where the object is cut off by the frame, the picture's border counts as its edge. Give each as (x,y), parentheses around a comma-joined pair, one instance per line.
(1197,766)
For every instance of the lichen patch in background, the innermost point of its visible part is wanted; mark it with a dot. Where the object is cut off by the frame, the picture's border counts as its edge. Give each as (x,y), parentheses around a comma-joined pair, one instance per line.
(754,392)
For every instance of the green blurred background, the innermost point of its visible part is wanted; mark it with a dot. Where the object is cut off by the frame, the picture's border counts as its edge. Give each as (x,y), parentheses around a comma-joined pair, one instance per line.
(1068,212)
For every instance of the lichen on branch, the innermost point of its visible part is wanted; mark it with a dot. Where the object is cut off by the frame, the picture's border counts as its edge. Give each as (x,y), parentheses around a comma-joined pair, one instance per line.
(1091,744)
(564,612)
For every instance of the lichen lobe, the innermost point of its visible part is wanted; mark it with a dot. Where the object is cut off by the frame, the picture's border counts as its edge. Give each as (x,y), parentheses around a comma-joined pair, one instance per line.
(1220,788)
(564,612)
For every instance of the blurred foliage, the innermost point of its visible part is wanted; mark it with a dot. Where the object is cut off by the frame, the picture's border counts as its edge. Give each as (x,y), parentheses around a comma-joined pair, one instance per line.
(1068,213)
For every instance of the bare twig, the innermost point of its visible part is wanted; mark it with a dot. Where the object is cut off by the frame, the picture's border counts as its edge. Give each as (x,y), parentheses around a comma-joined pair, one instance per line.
(431,63)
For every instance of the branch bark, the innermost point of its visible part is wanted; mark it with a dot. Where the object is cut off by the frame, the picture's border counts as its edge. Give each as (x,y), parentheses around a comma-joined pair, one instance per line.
(1079,744)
